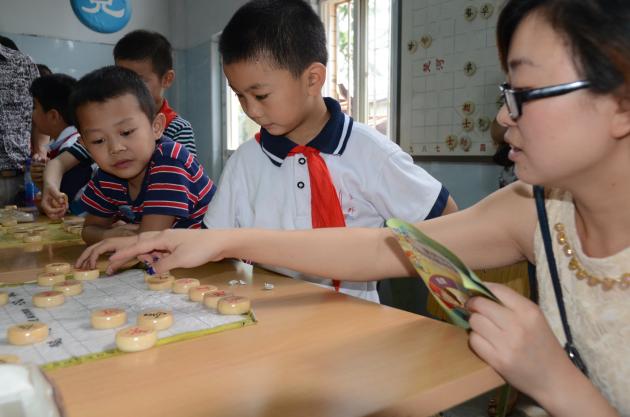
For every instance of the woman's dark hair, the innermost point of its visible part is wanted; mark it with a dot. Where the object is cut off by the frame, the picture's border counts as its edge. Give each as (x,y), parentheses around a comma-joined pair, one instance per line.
(8,43)
(598,32)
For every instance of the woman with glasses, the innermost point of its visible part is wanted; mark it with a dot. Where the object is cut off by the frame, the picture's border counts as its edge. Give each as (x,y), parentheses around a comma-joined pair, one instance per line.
(567,114)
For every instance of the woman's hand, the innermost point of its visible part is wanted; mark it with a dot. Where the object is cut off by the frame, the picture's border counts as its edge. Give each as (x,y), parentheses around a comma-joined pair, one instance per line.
(516,340)
(88,258)
(165,250)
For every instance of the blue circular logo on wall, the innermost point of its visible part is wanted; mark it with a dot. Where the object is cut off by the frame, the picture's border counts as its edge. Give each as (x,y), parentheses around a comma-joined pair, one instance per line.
(104,16)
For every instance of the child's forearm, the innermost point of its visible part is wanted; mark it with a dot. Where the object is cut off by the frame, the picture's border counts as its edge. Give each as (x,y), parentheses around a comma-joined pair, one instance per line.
(53,174)
(347,254)
(56,168)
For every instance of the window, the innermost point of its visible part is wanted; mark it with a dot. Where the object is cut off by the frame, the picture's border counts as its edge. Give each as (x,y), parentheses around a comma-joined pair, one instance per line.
(240,128)
(359,34)
(340,34)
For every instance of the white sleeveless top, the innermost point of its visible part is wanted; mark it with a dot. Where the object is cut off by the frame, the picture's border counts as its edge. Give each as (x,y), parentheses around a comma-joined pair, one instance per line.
(599,320)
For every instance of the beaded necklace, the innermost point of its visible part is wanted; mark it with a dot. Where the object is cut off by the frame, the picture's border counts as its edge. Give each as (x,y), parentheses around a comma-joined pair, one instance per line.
(622,282)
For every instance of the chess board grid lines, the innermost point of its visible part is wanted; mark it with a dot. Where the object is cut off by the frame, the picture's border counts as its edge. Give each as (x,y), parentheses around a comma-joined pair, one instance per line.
(86,344)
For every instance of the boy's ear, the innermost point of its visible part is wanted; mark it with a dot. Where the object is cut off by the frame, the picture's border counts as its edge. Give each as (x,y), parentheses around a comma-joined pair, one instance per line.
(54,115)
(315,77)
(168,78)
(158,125)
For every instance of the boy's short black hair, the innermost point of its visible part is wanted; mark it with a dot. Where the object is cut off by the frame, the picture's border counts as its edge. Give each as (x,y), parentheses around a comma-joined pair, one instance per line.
(53,93)
(286,32)
(111,82)
(143,44)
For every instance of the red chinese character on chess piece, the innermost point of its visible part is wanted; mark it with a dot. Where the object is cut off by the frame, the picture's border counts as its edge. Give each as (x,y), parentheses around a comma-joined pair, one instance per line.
(439,64)
(482,147)
(466,108)
(135,331)
(426,67)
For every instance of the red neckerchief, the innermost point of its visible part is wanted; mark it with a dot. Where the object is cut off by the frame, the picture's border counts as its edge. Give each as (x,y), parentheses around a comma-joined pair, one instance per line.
(169,113)
(325,206)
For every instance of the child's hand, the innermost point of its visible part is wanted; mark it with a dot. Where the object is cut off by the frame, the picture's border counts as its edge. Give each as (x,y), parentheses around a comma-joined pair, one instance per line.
(516,340)
(165,250)
(54,203)
(37,172)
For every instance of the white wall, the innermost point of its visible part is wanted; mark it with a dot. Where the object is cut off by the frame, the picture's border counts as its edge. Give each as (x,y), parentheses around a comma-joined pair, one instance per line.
(195,21)
(55,19)
(70,57)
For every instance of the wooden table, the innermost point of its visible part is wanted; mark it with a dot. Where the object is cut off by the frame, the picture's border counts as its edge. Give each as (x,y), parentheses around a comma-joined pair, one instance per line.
(53,234)
(312,353)
(19,264)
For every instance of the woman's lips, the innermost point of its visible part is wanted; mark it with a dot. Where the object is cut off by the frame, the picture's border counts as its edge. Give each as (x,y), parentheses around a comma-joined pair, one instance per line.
(514,152)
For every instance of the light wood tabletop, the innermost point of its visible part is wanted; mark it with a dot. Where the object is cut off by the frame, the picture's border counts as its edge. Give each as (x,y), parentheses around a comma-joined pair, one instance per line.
(313,352)
(21,264)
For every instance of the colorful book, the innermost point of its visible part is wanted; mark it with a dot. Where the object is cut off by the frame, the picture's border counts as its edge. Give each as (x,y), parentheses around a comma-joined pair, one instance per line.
(450,281)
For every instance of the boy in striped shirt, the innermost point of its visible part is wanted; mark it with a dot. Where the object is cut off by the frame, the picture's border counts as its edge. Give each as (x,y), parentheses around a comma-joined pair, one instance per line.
(148,54)
(150,181)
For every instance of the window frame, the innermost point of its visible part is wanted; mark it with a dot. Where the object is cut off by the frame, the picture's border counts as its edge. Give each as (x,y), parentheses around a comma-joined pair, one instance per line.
(360,60)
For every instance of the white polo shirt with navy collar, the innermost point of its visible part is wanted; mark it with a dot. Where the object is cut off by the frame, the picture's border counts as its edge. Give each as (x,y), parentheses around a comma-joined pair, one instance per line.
(262,187)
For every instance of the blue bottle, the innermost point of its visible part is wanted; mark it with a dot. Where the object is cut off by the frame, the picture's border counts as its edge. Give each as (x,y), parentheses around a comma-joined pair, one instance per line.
(29,185)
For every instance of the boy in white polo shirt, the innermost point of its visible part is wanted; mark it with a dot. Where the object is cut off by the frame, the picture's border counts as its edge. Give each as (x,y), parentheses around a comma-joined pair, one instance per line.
(311,165)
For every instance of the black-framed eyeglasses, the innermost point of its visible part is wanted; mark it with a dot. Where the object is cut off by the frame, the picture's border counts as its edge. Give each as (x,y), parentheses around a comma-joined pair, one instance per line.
(514,99)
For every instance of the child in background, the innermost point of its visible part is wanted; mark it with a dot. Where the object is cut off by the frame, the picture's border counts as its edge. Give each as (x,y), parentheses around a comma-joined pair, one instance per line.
(52,116)
(149,54)
(39,143)
(151,181)
(567,115)
(311,165)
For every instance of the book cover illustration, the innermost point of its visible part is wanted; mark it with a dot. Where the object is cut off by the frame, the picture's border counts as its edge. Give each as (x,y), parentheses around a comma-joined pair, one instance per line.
(450,281)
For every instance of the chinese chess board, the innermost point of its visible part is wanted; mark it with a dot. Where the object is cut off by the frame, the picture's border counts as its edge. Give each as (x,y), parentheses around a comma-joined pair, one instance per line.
(54,233)
(449,77)
(72,340)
